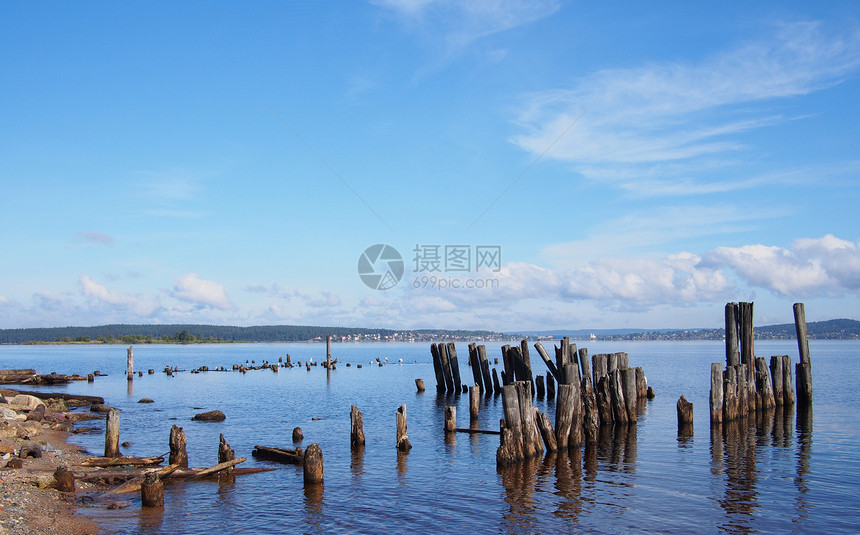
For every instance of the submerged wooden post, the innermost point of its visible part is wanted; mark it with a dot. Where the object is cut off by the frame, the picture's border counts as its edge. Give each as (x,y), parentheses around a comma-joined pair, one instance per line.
(313,465)
(112,433)
(628,381)
(564,415)
(776,375)
(475,364)
(446,368)
(546,430)
(419,385)
(532,443)
(455,366)
(716,397)
(685,411)
(225,453)
(129,368)
(356,428)
(764,388)
(788,382)
(437,367)
(402,438)
(539,385)
(450,418)
(489,384)
(328,351)
(497,387)
(152,491)
(178,454)
(803,369)
(550,386)
(512,432)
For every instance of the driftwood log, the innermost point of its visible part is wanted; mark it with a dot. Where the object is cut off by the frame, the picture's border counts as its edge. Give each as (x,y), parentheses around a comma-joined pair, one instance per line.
(281,455)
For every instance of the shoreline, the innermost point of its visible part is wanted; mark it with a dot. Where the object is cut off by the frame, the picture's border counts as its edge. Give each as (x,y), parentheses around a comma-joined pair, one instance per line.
(29,501)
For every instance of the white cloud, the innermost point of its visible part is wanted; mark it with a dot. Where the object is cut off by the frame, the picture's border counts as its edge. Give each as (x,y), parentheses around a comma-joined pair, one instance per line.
(826,266)
(200,292)
(3,299)
(634,119)
(140,306)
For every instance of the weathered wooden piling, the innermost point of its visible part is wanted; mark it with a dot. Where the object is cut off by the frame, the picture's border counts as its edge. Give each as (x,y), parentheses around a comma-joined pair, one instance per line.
(539,386)
(776,375)
(489,384)
(549,363)
(546,430)
(685,411)
(733,357)
(599,367)
(313,465)
(564,415)
(497,387)
(511,449)
(715,401)
(402,438)
(585,371)
(455,366)
(532,444)
(450,418)
(112,433)
(437,367)
(328,351)
(590,415)
(475,365)
(446,369)
(550,386)
(129,368)
(474,402)
(731,404)
(803,369)
(356,428)
(298,435)
(764,386)
(526,362)
(419,385)
(619,405)
(746,335)
(788,381)
(641,383)
(152,491)
(177,442)
(225,453)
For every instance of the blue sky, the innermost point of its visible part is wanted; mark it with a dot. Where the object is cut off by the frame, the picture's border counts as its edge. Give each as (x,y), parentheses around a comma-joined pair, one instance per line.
(637,164)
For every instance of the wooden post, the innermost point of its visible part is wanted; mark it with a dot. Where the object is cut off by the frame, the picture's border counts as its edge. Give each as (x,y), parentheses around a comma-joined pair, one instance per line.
(564,415)
(685,416)
(546,430)
(788,381)
(298,435)
(603,396)
(549,363)
(225,453)
(575,437)
(550,386)
(64,479)
(508,376)
(402,438)
(532,444)
(152,491)
(732,355)
(112,433)
(591,417)
(446,368)
(641,383)
(513,425)
(716,397)
(628,381)
(129,369)
(489,384)
(313,465)
(328,351)
(437,367)
(619,407)
(585,371)
(776,375)
(356,428)
(526,362)
(747,336)
(474,395)
(450,418)
(730,394)
(803,368)
(539,385)
(599,367)
(455,366)
(475,364)
(178,454)
(419,385)
(497,387)
(763,384)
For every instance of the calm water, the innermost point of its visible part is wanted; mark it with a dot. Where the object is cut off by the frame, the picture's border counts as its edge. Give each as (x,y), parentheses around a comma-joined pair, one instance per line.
(787,473)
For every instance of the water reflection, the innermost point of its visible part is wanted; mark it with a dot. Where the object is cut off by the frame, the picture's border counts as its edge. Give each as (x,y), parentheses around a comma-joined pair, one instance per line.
(804,450)
(519,483)
(356,464)
(314,504)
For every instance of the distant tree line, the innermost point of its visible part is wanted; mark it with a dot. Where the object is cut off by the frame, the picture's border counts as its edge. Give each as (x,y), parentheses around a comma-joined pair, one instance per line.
(141,334)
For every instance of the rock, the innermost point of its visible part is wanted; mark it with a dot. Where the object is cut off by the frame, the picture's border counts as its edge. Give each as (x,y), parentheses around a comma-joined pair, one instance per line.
(6,448)
(8,414)
(126,444)
(37,414)
(15,463)
(145,400)
(23,400)
(98,407)
(30,449)
(64,480)
(57,405)
(211,416)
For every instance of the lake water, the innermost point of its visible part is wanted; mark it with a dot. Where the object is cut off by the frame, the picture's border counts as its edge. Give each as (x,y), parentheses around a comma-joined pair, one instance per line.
(791,472)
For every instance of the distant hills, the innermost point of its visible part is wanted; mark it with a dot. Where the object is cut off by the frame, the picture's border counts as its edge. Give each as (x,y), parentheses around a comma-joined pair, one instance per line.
(837,329)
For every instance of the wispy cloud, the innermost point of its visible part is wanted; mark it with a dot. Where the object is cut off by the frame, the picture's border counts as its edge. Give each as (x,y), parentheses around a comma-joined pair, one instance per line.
(693,113)
(99,238)
(136,305)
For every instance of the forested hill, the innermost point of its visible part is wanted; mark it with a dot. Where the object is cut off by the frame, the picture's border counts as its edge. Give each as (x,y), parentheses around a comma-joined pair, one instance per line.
(191,333)
(822,330)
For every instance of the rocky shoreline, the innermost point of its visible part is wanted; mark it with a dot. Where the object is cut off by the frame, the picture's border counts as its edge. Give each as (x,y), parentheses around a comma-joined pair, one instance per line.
(33,446)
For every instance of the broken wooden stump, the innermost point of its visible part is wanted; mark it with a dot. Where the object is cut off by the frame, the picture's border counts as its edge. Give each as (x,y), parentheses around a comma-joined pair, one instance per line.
(356,428)
(474,402)
(715,400)
(402,438)
(450,418)
(546,431)
(685,416)
(803,369)
(64,479)
(419,385)
(297,435)
(313,465)
(225,452)
(152,491)
(177,442)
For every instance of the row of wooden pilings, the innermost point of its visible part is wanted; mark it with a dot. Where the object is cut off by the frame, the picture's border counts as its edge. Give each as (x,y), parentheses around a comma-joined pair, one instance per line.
(748,384)
(603,394)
